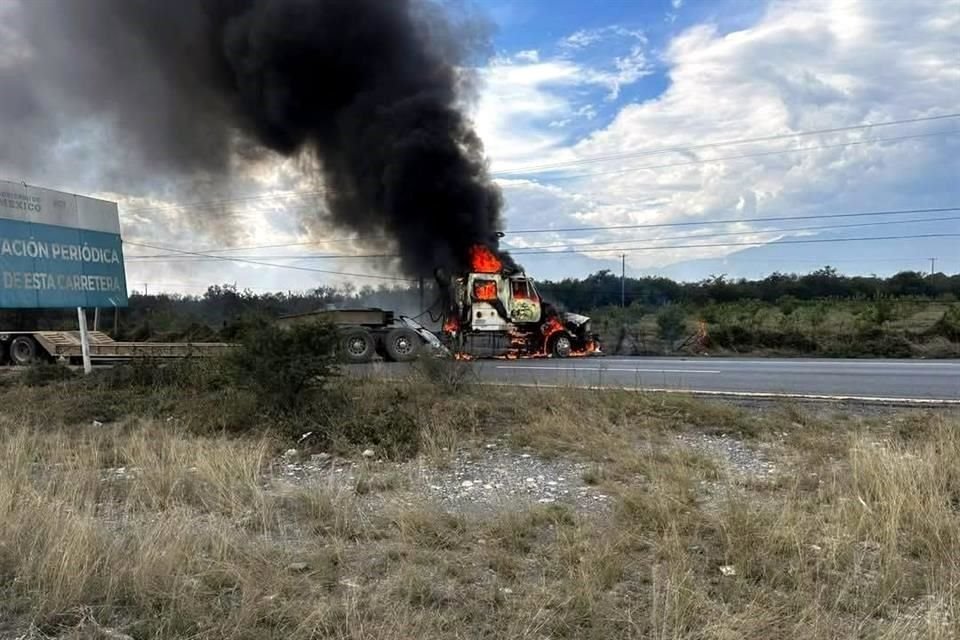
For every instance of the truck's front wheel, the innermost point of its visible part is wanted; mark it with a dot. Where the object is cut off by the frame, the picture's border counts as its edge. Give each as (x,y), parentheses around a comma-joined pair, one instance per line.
(23,350)
(561,346)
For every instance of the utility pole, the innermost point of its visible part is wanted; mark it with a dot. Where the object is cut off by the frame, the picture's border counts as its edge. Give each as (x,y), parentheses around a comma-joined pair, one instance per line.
(933,265)
(623,279)
(420,286)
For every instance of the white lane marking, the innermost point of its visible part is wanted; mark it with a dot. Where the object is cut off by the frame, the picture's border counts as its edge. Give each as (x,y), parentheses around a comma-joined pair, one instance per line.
(525,368)
(826,363)
(740,394)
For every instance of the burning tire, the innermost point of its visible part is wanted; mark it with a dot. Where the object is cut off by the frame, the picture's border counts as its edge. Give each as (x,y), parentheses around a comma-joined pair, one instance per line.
(561,346)
(357,346)
(402,345)
(23,350)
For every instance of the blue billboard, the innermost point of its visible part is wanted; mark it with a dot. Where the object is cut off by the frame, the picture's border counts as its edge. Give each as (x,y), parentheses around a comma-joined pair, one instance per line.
(75,262)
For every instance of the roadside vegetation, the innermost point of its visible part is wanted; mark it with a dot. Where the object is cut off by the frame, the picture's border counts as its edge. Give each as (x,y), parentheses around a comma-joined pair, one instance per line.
(880,327)
(151,502)
(823,313)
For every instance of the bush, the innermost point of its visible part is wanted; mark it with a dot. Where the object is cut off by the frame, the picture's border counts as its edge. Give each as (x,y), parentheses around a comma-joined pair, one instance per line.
(948,325)
(148,373)
(281,366)
(448,373)
(671,323)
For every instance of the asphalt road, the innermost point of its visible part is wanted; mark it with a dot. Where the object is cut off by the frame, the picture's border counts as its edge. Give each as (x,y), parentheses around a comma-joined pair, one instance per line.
(856,379)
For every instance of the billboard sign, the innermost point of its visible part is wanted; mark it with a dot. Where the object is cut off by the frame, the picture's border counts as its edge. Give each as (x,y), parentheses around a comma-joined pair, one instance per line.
(59,250)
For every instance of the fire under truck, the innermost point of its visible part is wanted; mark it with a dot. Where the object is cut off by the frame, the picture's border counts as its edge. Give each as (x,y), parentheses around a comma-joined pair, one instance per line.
(496,311)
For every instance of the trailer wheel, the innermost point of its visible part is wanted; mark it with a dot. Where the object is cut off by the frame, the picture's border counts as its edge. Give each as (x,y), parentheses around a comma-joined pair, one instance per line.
(357,346)
(402,345)
(23,350)
(561,346)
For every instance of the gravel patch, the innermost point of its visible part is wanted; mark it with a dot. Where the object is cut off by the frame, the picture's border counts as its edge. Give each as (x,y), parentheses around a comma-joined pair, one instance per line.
(735,455)
(488,478)
(495,477)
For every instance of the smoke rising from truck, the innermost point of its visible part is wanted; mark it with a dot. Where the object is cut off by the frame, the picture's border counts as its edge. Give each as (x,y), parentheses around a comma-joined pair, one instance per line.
(369,91)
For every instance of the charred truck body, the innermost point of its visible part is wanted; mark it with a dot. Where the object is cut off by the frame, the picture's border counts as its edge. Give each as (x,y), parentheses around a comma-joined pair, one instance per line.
(496,311)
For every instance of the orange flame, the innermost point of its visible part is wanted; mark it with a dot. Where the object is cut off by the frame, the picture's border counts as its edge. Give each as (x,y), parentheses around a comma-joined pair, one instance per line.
(482,260)
(451,325)
(485,290)
(551,326)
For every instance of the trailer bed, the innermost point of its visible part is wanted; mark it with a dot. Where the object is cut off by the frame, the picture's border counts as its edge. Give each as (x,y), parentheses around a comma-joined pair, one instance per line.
(66,344)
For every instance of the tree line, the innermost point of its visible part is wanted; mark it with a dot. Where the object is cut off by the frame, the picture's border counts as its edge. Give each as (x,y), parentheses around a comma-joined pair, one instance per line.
(212,314)
(603,288)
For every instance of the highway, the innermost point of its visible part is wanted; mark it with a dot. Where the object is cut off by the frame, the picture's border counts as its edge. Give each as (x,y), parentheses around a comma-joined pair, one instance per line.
(881,380)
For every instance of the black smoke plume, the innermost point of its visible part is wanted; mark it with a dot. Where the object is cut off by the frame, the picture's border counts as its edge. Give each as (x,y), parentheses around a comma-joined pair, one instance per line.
(369,91)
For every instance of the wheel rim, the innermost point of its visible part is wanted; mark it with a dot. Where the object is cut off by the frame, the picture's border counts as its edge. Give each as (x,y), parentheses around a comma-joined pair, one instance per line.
(563,347)
(357,346)
(403,345)
(21,351)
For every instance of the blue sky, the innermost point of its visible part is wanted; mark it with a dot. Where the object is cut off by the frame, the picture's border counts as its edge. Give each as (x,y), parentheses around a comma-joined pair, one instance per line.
(574,81)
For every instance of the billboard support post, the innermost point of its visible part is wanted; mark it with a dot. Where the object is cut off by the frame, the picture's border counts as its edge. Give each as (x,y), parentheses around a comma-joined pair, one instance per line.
(84,340)
(96,319)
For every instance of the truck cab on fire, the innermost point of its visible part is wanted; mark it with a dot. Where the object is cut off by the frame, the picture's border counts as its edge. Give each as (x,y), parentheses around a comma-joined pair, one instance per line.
(495,311)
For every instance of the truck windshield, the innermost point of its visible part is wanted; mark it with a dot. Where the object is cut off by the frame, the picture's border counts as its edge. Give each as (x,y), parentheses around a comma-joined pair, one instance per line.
(523,290)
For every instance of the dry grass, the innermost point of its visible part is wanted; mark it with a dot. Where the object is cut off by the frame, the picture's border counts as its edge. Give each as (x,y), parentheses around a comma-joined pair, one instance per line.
(858,535)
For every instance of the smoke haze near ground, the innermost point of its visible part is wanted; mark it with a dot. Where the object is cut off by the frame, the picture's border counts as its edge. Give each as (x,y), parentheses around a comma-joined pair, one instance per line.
(370,91)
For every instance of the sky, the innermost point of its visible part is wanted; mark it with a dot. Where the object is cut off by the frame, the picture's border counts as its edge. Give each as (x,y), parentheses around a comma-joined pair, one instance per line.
(660,115)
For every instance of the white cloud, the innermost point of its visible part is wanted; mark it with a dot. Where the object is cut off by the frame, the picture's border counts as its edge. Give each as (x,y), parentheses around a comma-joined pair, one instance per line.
(805,65)
(528,99)
(530,55)
(588,37)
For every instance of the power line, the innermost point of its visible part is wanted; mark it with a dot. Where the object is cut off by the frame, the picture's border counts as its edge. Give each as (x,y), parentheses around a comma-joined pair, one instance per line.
(618,249)
(522,250)
(205,204)
(531,168)
(747,244)
(748,155)
(270,264)
(652,225)
(294,194)
(658,225)
(709,145)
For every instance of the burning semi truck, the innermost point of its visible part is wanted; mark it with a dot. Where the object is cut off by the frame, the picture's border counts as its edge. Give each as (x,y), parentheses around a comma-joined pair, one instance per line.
(496,311)
(493,311)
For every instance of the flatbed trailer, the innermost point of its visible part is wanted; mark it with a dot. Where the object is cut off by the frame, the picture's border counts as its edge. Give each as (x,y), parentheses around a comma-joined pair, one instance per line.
(27,347)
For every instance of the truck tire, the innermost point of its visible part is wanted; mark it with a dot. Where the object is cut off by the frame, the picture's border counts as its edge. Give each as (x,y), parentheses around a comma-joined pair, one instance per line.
(23,351)
(402,345)
(357,346)
(561,346)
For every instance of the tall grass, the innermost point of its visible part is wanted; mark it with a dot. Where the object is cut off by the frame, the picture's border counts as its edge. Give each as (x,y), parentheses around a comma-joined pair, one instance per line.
(158,529)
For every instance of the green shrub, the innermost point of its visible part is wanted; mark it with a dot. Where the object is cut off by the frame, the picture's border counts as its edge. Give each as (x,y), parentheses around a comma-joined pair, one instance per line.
(148,373)
(283,365)
(671,323)
(948,325)
(448,373)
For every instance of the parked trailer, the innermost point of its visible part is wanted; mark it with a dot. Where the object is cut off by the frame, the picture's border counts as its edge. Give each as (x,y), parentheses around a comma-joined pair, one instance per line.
(27,347)
(365,333)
